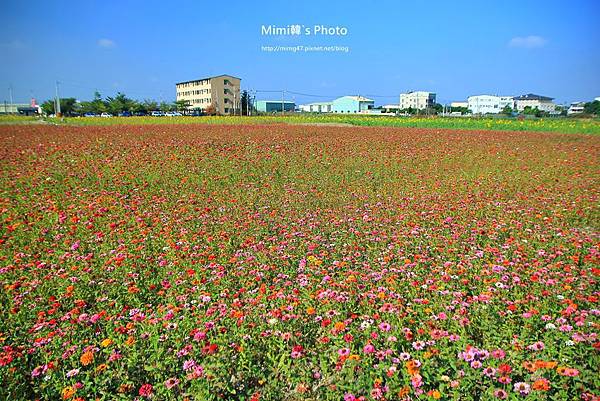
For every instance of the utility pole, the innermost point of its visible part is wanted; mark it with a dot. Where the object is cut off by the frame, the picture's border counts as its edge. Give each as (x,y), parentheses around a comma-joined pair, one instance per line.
(57,107)
(10,97)
(282,100)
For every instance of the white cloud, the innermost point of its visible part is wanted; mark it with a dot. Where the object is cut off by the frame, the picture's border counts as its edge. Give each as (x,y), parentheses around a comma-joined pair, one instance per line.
(106,43)
(527,42)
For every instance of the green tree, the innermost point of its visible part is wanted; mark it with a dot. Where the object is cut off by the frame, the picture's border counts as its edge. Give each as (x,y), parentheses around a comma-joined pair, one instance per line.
(98,105)
(119,103)
(246,103)
(507,110)
(149,105)
(182,105)
(68,106)
(164,106)
(592,108)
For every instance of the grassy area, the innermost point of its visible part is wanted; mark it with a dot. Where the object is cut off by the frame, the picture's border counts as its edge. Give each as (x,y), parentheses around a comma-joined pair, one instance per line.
(563,125)
(15,119)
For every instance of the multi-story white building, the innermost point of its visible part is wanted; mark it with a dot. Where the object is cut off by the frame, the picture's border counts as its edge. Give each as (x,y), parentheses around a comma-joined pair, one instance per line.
(489,104)
(222,91)
(417,100)
(542,103)
(459,104)
(576,108)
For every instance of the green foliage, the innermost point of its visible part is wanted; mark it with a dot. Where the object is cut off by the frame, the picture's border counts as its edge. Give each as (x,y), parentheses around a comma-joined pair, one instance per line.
(592,108)
(68,106)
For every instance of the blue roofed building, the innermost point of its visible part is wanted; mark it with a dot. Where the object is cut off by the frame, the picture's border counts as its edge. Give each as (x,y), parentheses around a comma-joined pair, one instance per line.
(352,104)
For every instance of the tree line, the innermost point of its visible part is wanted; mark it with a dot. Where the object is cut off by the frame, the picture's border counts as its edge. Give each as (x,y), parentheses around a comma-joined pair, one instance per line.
(120,103)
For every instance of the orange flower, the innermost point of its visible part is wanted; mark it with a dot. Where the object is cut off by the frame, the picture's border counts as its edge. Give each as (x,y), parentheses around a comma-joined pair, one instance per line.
(310,310)
(86,358)
(541,384)
(339,326)
(101,368)
(404,391)
(530,366)
(412,368)
(68,392)
(130,341)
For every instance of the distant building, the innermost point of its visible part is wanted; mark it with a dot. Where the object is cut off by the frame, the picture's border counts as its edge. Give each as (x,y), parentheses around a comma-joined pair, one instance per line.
(459,104)
(274,106)
(352,104)
(576,108)
(19,108)
(417,100)
(222,91)
(543,103)
(319,107)
(391,108)
(489,104)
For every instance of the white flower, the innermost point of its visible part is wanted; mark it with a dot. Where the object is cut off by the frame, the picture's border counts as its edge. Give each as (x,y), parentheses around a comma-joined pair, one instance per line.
(569,343)
(550,326)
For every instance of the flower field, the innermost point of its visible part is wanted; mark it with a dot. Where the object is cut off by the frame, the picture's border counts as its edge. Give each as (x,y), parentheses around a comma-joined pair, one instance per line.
(562,125)
(288,262)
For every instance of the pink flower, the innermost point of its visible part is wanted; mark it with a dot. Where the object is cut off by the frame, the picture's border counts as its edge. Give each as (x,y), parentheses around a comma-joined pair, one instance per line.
(498,354)
(384,326)
(522,388)
(416,380)
(172,382)
(368,349)
(344,352)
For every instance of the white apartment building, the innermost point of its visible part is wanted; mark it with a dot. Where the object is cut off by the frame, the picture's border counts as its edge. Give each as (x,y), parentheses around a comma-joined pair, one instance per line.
(543,103)
(418,100)
(459,104)
(222,91)
(489,104)
(576,108)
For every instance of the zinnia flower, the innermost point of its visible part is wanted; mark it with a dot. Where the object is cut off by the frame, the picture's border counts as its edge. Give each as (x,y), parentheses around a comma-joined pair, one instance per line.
(146,390)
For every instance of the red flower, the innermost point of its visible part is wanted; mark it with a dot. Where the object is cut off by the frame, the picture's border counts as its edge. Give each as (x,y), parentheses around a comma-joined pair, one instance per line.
(146,390)
(505,369)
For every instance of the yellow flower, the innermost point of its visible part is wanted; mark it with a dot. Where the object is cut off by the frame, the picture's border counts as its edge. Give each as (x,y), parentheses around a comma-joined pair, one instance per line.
(68,392)
(106,342)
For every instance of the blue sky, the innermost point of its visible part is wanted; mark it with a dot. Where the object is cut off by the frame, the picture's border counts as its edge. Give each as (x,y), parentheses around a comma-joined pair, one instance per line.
(455,49)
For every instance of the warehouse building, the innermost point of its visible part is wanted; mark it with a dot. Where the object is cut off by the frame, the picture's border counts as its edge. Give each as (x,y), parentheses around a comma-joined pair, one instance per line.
(352,104)
(274,106)
(318,107)
(222,91)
